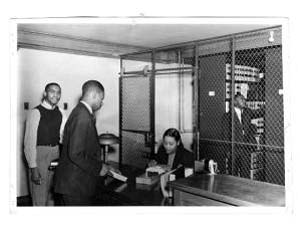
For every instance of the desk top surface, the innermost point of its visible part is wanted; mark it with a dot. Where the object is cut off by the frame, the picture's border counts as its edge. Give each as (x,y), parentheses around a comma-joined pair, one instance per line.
(232,190)
(135,194)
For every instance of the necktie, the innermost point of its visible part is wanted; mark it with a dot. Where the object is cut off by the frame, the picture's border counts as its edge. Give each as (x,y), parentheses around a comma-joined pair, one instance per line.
(242,117)
(242,120)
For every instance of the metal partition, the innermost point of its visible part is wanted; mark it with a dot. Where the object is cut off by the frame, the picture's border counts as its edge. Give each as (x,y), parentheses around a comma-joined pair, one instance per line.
(136,110)
(250,64)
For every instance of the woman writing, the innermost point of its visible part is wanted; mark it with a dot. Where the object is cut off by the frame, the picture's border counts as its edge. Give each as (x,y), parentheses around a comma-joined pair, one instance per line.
(173,156)
(172,152)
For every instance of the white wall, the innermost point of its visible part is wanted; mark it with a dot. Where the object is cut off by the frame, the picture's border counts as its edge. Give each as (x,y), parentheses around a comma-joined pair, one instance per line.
(167,101)
(167,107)
(37,68)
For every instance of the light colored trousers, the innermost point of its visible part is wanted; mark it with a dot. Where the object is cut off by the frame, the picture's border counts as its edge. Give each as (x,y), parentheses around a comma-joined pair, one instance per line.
(42,195)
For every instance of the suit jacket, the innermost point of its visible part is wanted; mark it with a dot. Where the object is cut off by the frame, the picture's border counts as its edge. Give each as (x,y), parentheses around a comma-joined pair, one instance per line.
(79,165)
(246,126)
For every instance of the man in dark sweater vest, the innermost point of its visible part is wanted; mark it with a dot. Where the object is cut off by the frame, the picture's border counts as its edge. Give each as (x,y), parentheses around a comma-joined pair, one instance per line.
(44,127)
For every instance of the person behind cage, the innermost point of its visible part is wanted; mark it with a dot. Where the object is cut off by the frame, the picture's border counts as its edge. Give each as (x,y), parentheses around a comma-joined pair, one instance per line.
(243,136)
(43,133)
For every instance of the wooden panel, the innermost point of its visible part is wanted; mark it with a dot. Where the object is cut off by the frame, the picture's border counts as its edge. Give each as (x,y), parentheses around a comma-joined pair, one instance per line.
(215,47)
(259,39)
(187,199)
(232,190)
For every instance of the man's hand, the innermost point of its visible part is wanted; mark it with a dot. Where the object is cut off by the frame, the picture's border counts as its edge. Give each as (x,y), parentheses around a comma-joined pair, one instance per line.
(104,170)
(107,168)
(36,176)
(111,168)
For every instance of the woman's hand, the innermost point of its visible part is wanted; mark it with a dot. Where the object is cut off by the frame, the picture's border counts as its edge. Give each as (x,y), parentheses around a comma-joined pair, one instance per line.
(152,163)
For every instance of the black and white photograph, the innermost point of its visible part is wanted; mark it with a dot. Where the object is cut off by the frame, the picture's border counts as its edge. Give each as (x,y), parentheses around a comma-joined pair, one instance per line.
(135,112)
(159,113)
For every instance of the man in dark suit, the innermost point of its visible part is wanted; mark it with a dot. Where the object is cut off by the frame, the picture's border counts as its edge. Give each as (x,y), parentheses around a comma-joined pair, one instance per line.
(77,175)
(243,136)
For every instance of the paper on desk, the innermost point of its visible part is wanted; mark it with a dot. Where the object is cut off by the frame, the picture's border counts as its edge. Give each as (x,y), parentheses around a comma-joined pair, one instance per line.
(118,176)
(156,169)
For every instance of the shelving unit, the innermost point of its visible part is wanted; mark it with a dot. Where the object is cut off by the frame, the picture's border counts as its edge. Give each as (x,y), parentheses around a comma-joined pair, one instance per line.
(246,79)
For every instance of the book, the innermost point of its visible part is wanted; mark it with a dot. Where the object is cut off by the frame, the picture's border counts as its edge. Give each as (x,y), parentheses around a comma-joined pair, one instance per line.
(118,176)
(144,179)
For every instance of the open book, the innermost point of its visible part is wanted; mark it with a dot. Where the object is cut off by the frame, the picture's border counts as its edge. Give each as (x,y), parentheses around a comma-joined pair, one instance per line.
(152,175)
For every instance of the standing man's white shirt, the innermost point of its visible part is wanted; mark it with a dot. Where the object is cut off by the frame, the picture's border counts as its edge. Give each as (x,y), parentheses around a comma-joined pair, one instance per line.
(87,106)
(239,115)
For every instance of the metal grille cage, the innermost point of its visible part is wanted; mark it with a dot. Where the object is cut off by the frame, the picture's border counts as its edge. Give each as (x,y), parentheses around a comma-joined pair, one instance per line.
(135,120)
(249,142)
(227,72)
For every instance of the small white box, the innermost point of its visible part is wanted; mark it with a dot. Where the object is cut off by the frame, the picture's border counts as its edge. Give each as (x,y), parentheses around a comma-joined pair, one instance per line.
(211,93)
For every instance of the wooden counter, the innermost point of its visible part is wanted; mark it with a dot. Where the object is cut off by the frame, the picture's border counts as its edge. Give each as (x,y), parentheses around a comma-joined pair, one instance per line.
(225,190)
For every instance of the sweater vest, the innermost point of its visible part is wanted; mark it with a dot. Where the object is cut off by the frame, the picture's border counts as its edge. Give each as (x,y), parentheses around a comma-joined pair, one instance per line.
(49,126)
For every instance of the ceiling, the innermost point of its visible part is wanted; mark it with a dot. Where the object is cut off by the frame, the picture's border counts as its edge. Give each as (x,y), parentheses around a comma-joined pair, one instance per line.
(140,35)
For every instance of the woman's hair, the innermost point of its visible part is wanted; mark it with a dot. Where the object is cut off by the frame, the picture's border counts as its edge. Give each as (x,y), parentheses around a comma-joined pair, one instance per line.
(173,132)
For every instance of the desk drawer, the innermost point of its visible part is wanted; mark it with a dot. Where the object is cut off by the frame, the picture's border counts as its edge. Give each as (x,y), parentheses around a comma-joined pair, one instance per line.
(187,199)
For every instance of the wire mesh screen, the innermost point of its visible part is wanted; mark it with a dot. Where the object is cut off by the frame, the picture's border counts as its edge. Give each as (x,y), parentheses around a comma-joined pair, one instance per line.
(238,112)
(212,109)
(274,117)
(135,120)
(242,128)
(134,151)
(136,103)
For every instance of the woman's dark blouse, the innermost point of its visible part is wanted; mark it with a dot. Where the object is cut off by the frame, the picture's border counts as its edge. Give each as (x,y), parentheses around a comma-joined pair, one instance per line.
(182,157)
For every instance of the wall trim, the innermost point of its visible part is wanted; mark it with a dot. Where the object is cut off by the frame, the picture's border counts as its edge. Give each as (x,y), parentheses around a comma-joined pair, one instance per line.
(65,50)
(69,44)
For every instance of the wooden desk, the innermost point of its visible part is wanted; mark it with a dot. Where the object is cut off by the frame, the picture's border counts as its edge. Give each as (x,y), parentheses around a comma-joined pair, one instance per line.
(117,193)
(225,190)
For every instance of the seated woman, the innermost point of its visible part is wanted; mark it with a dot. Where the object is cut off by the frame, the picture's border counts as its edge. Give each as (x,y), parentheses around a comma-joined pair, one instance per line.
(172,152)
(173,155)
